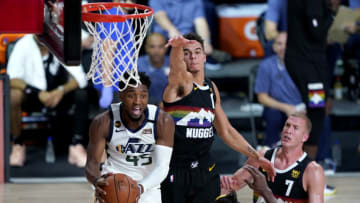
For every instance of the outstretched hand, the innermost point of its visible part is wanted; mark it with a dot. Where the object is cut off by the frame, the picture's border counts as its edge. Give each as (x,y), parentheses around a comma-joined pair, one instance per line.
(269,168)
(178,41)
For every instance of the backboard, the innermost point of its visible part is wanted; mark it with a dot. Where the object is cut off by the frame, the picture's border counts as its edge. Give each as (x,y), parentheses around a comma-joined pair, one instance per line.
(62,29)
(57,23)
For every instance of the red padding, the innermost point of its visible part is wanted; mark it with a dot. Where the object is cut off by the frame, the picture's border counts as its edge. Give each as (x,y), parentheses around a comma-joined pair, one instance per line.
(22,16)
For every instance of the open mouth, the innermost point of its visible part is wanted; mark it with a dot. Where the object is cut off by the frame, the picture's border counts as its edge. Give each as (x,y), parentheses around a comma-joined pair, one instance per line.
(136,111)
(286,138)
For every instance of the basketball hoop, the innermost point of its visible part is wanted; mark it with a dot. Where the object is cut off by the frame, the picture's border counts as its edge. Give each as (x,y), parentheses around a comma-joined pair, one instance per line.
(119,30)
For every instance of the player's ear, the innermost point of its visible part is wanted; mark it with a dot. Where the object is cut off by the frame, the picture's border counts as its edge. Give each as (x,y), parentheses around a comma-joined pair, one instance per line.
(306,137)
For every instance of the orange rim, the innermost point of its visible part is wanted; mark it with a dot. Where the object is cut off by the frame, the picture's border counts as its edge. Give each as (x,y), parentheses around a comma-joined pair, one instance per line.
(97,17)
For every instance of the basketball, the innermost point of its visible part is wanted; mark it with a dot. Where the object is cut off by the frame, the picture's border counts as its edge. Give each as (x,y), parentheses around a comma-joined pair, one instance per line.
(121,189)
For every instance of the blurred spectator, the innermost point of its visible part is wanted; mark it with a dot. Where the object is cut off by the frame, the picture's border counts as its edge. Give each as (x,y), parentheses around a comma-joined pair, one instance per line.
(156,65)
(276,91)
(305,60)
(37,80)
(178,17)
(275,18)
(275,22)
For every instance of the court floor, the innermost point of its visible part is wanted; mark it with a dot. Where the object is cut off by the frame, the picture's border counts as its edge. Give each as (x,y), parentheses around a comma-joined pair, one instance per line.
(347,184)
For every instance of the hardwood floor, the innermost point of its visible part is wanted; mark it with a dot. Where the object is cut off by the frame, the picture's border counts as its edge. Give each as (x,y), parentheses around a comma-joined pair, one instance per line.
(347,185)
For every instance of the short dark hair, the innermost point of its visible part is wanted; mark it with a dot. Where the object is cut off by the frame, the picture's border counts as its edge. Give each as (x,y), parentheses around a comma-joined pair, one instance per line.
(144,79)
(194,36)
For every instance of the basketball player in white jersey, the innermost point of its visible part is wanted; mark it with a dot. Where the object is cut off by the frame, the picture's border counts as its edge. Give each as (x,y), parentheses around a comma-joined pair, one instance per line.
(138,138)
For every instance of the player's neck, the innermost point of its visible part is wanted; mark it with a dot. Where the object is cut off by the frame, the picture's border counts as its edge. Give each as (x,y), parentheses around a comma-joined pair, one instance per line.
(131,123)
(288,156)
(198,77)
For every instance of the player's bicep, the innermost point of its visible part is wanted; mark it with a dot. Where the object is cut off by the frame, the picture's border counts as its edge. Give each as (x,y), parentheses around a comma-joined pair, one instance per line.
(165,129)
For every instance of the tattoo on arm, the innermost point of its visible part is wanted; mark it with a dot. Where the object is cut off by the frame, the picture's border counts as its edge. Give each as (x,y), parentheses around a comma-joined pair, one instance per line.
(253,152)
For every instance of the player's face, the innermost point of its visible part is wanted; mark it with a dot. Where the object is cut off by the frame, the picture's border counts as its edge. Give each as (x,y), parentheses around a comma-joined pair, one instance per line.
(155,48)
(294,132)
(134,101)
(194,57)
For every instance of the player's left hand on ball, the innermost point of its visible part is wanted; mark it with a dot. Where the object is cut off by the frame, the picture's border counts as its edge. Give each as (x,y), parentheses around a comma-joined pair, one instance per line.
(99,184)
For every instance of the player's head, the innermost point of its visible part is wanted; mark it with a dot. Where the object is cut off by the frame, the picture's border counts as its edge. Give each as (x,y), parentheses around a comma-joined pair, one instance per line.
(279,45)
(296,130)
(135,99)
(196,37)
(229,198)
(155,47)
(194,55)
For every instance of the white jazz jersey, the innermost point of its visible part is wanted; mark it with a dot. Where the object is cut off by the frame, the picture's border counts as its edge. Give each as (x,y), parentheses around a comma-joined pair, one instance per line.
(131,151)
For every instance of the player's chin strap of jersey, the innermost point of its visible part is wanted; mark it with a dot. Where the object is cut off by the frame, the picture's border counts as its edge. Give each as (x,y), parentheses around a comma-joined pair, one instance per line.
(162,156)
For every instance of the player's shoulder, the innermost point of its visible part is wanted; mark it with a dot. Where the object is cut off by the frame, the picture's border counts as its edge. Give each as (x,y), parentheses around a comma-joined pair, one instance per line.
(313,175)
(314,169)
(102,117)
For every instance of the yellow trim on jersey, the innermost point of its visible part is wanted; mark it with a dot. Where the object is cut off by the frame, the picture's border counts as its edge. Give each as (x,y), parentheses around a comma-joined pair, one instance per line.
(220,196)
(212,167)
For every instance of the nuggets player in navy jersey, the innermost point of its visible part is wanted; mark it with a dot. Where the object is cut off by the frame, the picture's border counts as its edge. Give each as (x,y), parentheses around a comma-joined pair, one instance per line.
(138,138)
(194,103)
(298,178)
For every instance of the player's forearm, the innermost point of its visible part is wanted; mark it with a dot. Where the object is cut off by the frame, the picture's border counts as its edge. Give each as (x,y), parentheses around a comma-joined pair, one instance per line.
(236,141)
(177,64)
(268,196)
(162,156)
(92,171)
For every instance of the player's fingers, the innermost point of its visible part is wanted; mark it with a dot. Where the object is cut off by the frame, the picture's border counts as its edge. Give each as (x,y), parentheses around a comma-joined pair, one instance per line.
(228,182)
(99,199)
(100,193)
(271,174)
(223,182)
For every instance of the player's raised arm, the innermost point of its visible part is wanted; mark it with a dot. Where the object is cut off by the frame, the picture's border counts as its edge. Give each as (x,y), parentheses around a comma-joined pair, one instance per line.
(162,151)
(178,76)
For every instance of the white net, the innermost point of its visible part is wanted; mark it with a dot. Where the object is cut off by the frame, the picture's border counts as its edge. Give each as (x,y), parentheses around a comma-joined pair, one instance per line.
(116,47)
